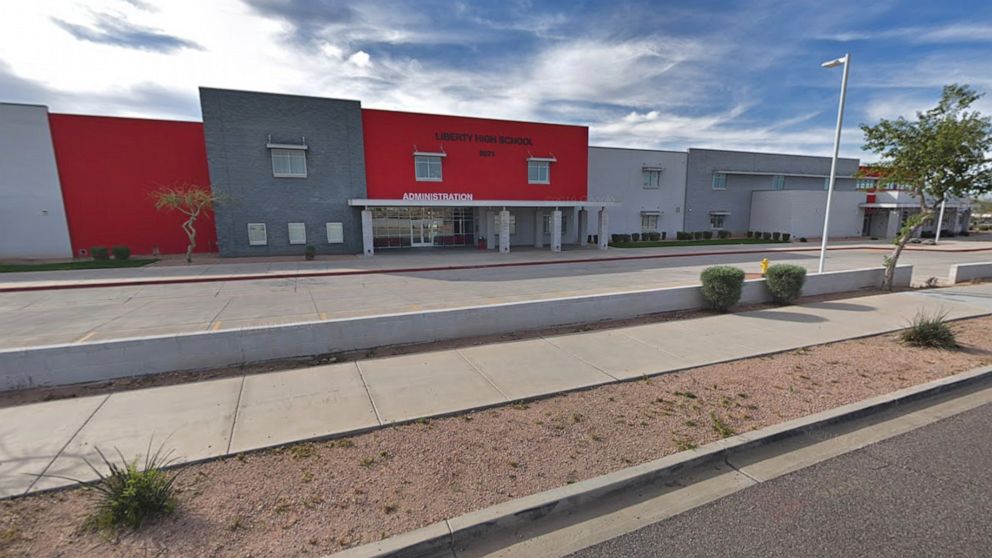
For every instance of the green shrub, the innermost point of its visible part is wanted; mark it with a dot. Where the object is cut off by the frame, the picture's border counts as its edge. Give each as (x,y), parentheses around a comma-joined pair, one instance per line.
(722,286)
(636,237)
(929,331)
(311,252)
(802,239)
(785,282)
(698,235)
(766,236)
(757,235)
(100,253)
(750,234)
(786,237)
(121,252)
(129,495)
(707,234)
(776,236)
(682,235)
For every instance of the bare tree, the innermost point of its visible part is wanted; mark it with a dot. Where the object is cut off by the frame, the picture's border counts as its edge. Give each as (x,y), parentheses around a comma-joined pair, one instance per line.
(192,201)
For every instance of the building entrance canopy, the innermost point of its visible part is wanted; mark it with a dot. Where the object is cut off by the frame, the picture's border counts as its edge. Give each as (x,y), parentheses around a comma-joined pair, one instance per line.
(425,202)
(409,223)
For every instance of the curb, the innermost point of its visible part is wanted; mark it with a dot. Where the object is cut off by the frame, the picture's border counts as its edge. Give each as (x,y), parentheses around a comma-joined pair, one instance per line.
(444,537)
(298,274)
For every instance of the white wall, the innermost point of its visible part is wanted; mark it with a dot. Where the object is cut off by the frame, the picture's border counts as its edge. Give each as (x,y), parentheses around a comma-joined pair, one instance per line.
(800,212)
(32,215)
(615,175)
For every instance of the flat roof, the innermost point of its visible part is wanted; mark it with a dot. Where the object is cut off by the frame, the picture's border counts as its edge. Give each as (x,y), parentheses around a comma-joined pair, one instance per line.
(478,203)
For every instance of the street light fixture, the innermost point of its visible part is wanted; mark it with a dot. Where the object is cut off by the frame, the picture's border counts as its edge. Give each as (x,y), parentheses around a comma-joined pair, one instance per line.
(846,61)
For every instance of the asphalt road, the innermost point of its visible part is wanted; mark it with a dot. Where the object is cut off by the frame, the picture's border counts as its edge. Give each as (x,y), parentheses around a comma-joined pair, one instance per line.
(924,493)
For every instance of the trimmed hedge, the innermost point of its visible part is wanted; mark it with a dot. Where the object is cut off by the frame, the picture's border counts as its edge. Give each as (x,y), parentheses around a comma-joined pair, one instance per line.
(121,252)
(707,235)
(785,282)
(100,253)
(766,235)
(776,236)
(698,235)
(722,285)
(635,237)
(786,237)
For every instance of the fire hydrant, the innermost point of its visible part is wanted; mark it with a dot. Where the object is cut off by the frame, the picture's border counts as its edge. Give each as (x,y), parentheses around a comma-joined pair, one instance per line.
(764,266)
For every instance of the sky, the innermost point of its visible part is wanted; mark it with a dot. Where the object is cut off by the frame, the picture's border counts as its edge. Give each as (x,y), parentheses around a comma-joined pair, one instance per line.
(666,75)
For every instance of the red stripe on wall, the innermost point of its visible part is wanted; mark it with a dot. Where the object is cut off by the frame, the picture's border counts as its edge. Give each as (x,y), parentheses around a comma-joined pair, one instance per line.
(109,166)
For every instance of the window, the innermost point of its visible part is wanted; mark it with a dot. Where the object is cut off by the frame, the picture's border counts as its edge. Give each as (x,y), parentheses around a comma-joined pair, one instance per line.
(513,224)
(826,183)
(539,172)
(289,163)
(649,223)
(865,183)
(335,233)
(652,178)
(778,182)
(546,223)
(718,221)
(719,181)
(256,234)
(427,168)
(297,233)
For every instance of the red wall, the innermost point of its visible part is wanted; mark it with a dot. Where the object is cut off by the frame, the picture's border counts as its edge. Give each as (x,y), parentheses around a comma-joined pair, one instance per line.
(108,168)
(392,137)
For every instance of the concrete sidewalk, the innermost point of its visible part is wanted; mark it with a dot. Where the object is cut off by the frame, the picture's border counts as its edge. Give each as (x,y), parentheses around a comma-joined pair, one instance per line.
(219,417)
(210,268)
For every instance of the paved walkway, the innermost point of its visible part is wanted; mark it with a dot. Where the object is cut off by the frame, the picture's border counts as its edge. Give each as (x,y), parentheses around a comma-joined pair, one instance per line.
(214,418)
(213,268)
(76,315)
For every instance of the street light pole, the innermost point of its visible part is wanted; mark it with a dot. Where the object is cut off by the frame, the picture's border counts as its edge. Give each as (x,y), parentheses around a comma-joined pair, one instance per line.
(940,220)
(846,61)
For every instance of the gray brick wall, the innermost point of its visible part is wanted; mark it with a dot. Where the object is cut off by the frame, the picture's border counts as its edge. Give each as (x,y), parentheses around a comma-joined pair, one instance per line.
(237,125)
(701,198)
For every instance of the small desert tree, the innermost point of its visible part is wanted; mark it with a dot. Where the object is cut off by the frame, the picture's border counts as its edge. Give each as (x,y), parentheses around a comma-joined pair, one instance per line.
(943,153)
(190,200)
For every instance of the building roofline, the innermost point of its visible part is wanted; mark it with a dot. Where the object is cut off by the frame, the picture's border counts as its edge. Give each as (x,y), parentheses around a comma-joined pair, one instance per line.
(118,117)
(15,104)
(477,118)
(772,153)
(273,94)
(637,149)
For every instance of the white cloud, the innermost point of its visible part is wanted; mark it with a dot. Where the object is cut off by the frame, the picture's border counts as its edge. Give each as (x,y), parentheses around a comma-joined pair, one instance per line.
(360,59)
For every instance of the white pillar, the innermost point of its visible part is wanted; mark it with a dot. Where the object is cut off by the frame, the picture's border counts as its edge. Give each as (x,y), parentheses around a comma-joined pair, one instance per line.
(538,228)
(368,244)
(604,229)
(491,231)
(504,231)
(556,230)
(583,227)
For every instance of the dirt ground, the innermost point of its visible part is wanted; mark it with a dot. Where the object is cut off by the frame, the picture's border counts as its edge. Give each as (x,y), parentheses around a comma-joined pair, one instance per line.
(318,498)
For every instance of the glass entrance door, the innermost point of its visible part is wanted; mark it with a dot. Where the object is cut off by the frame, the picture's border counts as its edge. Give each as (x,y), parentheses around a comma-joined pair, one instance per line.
(422,232)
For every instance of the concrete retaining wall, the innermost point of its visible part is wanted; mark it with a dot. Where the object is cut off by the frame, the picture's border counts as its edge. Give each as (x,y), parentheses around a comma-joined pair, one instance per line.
(966,272)
(88,362)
